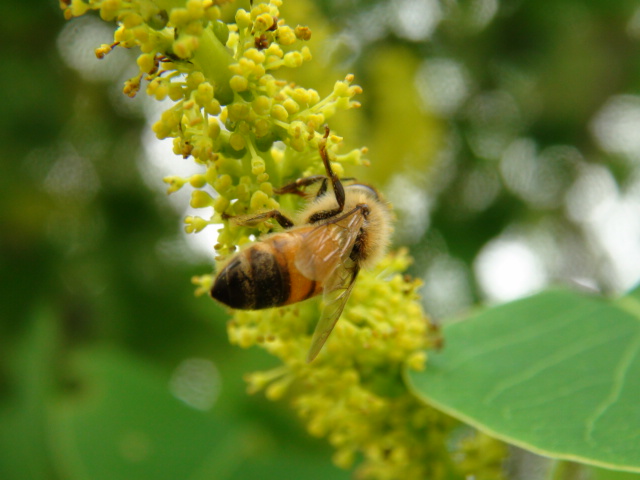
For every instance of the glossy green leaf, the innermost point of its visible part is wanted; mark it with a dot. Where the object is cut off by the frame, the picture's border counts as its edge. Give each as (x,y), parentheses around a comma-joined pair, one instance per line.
(557,373)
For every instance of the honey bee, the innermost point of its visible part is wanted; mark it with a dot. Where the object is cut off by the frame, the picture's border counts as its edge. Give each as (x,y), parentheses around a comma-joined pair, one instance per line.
(338,233)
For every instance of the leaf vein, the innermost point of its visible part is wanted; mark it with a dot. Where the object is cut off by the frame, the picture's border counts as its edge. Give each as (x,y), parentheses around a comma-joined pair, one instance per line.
(510,338)
(542,365)
(618,383)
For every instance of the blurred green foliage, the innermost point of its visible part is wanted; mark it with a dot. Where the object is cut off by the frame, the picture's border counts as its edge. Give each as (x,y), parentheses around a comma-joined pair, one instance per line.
(97,310)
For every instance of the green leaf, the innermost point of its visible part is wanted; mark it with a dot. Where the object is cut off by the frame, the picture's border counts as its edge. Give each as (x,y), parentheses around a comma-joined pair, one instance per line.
(602,474)
(557,373)
(635,292)
(123,423)
(24,453)
(567,470)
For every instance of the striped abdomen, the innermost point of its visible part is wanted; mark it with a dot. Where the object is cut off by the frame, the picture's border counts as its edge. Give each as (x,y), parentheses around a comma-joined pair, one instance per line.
(264,275)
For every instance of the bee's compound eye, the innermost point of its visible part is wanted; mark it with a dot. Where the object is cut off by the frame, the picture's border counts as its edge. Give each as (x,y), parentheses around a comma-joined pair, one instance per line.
(370,191)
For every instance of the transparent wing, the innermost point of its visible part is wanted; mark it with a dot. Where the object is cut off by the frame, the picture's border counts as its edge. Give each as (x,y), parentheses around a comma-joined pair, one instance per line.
(326,246)
(336,293)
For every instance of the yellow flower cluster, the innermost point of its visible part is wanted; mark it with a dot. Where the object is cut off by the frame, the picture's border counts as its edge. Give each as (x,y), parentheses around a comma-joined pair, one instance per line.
(230,113)
(353,393)
(250,131)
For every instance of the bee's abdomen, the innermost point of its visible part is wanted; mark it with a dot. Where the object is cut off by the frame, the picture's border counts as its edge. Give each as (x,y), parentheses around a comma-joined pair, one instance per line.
(254,279)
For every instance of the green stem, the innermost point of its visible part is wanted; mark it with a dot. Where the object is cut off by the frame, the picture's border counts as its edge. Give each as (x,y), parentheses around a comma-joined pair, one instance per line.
(213,59)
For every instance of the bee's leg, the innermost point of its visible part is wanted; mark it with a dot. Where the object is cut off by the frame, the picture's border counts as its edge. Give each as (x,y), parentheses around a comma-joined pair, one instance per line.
(338,189)
(253,220)
(297,186)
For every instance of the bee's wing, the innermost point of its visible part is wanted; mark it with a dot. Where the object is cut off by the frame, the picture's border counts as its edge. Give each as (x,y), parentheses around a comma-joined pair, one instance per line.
(327,246)
(336,293)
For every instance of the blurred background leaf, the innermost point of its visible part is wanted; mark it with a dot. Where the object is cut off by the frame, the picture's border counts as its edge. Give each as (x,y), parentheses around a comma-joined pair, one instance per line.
(505,132)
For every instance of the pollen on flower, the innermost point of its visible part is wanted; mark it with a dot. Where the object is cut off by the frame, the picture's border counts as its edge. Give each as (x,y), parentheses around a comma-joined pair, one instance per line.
(203,284)
(274,50)
(185,46)
(279,113)
(103,49)
(198,180)
(204,93)
(132,86)
(175,183)
(195,224)
(286,36)
(109,9)
(255,55)
(213,108)
(293,59)
(222,183)
(239,83)
(291,106)
(417,361)
(131,20)
(243,18)
(175,91)
(221,204)
(158,89)
(237,141)
(302,32)
(277,389)
(124,36)
(259,201)
(179,17)
(200,199)
(263,22)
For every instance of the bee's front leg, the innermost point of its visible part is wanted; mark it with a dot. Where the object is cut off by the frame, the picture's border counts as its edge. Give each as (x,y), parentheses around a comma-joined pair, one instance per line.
(338,189)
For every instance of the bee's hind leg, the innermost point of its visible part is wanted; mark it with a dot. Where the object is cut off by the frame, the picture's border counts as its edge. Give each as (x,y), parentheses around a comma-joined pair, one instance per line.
(296,187)
(254,219)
